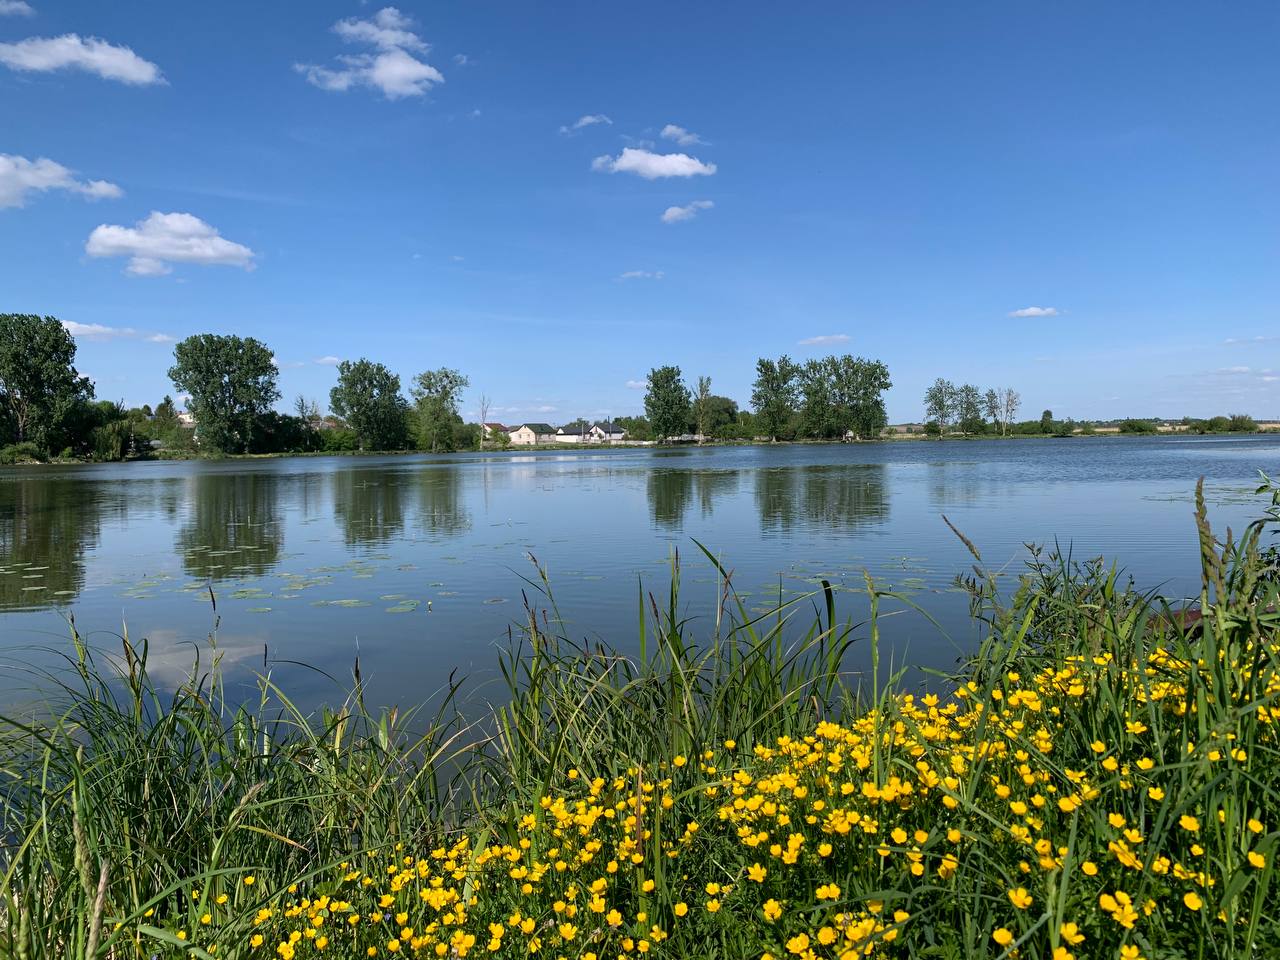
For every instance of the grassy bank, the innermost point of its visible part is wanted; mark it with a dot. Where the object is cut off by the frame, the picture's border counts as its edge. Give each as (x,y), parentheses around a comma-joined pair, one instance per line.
(1100,781)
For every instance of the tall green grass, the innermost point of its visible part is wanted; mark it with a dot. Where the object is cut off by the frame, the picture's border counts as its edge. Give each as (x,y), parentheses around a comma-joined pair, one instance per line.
(131,807)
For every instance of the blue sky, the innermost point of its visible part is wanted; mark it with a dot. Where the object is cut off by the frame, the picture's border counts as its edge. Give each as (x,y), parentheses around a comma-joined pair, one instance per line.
(414,185)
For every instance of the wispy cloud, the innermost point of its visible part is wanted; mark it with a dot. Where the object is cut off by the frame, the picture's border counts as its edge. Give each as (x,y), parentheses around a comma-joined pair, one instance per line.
(329,361)
(1258,339)
(100,332)
(653,166)
(587,120)
(1035,312)
(687,212)
(20,177)
(636,384)
(164,238)
(73,52)
(826,339)
(641,275)
(393,68)
(461,59)
(686,138)
(15,8)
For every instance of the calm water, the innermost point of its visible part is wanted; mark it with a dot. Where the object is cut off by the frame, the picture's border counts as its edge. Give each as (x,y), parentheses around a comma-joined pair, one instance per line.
(416,563)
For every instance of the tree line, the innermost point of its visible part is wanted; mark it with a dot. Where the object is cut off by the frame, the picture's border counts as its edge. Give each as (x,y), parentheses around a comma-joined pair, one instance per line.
(820,399)
(47,408)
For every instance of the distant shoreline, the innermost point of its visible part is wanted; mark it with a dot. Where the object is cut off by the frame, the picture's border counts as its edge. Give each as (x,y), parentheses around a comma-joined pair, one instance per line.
(610,447)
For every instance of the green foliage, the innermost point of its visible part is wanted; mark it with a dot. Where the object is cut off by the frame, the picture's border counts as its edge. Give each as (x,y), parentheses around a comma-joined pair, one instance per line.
(436,395)
(340,440)
(1046,422)
(39,386)
(667,402)
(968,410)
(1138,426)
(842,395)
(774,395)
(368,397)
(637,428)
(232,384)
(25,452)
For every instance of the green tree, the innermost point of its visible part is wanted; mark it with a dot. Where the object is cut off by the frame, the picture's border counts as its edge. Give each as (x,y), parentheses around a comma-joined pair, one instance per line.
(1046,422)
(637,428)
(773,395)
(818,417)
(39,385)
(702,409)
(992,406)
(722,417)
(940,404)
(232,384)
(368,397)
(436,394)
(667,402)
(857,395)
(969,409)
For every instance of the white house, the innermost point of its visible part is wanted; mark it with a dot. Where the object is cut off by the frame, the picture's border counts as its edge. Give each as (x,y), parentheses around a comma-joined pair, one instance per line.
(607,432)
(528,434)
(578,433)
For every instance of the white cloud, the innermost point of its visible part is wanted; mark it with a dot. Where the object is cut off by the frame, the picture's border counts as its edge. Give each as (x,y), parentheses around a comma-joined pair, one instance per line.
(652,166)
(545,408)
(327,361)
(20,176)
(636,385)
(97,331)
(677,214)
(71,51)
(825,339)
(1035,312)
(1235,371)
(15,8)
(393,69)
(1257,339)
(641,275)
(588,120)
(164,238)
(686,138)
(461,59)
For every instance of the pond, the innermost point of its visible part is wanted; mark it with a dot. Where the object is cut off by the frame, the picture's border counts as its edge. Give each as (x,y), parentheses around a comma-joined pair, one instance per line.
(419,564)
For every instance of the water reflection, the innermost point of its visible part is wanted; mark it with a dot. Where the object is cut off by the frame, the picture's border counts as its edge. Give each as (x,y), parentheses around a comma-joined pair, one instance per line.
(669,494)
(234,527)
(442,510)
(835,496)
(45,528)
(368,507)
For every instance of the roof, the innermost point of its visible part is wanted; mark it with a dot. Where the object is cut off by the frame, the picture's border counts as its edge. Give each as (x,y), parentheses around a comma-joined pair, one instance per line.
(577,429)
(496,426)
(537,427)
(608,427)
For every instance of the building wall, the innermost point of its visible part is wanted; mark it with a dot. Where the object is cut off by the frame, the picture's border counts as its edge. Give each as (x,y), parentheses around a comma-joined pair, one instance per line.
(524,437)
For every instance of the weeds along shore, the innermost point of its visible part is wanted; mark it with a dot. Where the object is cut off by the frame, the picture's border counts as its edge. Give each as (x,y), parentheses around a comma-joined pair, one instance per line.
(1101,779)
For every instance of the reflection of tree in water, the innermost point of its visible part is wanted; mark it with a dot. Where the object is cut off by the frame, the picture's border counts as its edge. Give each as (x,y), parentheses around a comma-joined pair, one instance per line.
(669,495)
(952,483)
(441,510)
(671,491)
(45,523)
(369,506)
(234,528)
(831,495)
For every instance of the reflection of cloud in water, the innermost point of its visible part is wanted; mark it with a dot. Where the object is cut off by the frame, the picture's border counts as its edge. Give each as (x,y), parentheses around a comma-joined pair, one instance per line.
(172,655)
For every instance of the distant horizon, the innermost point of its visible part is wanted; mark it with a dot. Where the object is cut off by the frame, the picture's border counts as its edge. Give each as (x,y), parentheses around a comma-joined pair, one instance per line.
(555,200)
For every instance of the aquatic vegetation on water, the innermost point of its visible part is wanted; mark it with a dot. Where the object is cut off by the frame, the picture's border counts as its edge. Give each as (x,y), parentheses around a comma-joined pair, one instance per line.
(1101,780)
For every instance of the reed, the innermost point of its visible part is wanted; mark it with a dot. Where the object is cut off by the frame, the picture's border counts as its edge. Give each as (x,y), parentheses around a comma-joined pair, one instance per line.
(1099,780)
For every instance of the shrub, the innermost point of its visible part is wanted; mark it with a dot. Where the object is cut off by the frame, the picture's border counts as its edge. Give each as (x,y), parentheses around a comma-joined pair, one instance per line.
(26,452)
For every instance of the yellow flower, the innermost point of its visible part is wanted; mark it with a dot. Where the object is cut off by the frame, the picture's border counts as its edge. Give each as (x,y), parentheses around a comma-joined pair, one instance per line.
(393,946)
(1089,868)
(1020,898)
(680,909)
(1071,933)
(249,881)
(1255,826)
(730,744)
(1192,900)
(206,919)
(756,872)
(1130,951)
(568,931)
(1155,793)
(680,761)
(1189,823)
(713,905)
(1062,953)
(798,944)
(1003,936)
(828,891)
(1257,860)
(772,910)
(255,940)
